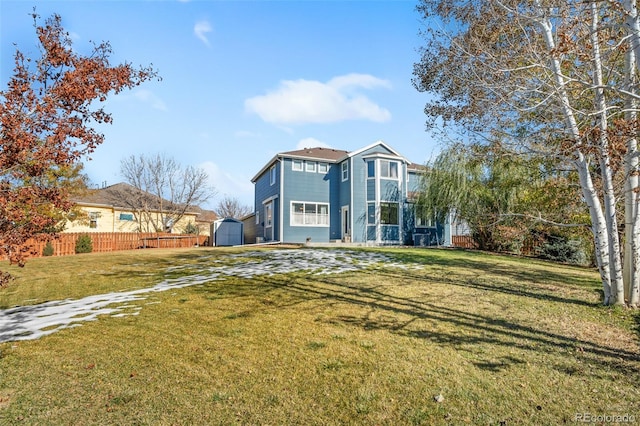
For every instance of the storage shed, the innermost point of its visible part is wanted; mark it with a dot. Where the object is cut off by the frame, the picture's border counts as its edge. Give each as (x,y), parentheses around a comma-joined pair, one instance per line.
(227,232)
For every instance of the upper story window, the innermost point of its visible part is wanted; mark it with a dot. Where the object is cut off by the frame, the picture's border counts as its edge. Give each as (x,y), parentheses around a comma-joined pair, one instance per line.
(345,170)
(371,169)
(272,175)
(323,167)
(310,166)
(297,165)
(389,169)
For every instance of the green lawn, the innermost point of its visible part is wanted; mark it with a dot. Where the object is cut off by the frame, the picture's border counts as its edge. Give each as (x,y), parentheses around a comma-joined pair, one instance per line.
(502,340)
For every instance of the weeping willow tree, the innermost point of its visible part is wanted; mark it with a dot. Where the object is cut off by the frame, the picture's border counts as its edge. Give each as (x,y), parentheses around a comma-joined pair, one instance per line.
(504,197)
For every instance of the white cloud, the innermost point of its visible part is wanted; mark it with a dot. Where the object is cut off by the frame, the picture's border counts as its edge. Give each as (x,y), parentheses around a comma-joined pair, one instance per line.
(307,101)
(226,183)
(311,143)
(150,98)
(201,29)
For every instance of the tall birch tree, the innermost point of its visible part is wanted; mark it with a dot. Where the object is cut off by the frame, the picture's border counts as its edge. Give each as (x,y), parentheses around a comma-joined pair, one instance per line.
(557,79)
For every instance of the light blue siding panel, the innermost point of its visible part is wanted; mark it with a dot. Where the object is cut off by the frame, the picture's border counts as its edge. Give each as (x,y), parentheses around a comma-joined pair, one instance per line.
(359,197)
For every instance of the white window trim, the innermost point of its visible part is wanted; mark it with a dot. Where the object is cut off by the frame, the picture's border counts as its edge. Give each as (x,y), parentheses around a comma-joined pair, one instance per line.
(375,214)
(375,166)
(268,207)
(325,166)
(272,175)
(310,166)
(398,217)
(344,169)
(397,177)
(292,215)
(297,162)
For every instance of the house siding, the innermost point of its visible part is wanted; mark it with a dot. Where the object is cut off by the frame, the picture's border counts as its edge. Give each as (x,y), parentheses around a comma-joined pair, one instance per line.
(362,195)
(110,220)
(305,186)
(344,197)
(264,190)
(335,205)
(362,232)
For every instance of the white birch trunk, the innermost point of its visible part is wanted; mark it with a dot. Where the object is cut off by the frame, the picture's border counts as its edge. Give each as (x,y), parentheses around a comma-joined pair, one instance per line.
(632,218)
(598,222)
(615,255)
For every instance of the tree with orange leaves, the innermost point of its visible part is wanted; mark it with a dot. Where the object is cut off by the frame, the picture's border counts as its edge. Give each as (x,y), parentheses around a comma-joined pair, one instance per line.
(46,119)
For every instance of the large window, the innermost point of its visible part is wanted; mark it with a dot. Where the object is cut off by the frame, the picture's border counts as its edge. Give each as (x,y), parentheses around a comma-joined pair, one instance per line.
(389,213)
(388,169)
(345,170)
(309,214)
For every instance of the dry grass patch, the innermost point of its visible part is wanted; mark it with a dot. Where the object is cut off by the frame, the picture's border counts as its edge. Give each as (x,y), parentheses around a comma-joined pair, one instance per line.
(502,340)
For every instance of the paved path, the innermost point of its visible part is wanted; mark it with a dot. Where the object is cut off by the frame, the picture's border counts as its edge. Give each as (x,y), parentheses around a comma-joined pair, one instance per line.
(33,322)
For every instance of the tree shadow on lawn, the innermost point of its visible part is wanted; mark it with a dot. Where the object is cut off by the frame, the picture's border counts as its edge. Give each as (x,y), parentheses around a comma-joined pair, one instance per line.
(443,325)
(497,264)
(482,268)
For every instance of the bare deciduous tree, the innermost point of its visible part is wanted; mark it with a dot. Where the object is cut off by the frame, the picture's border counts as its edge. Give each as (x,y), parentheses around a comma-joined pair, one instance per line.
(161,191)
(231,207)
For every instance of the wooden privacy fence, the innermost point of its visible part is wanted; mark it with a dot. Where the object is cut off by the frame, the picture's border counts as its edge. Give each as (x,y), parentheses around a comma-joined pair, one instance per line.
(463,241)
(65,244)
(529,246)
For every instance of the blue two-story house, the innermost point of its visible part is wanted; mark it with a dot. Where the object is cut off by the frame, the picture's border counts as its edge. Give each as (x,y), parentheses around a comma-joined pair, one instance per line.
(325,195)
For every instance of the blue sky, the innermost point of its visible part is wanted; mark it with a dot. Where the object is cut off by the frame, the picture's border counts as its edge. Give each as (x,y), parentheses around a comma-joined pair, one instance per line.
(244,80)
